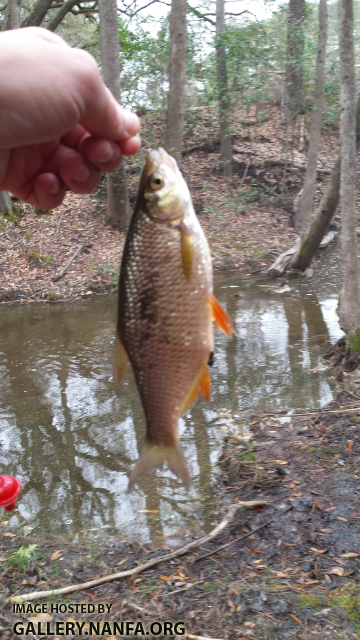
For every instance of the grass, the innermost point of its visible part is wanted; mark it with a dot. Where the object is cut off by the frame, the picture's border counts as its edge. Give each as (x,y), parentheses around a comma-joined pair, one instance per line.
(346,599)
(107,268)
(329,452)
(22,558)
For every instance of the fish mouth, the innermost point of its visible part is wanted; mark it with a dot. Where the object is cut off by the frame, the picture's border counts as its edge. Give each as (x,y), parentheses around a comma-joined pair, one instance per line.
(156,157)
(166,201)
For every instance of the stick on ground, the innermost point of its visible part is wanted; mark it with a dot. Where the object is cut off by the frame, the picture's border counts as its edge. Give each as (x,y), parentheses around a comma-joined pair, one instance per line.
(246,535)
(78,250)
(36,595)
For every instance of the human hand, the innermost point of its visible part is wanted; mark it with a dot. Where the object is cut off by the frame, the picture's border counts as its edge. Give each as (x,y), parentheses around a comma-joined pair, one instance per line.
(59,125)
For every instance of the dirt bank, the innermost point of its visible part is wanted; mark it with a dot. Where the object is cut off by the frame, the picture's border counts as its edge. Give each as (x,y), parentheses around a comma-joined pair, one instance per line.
(246,218)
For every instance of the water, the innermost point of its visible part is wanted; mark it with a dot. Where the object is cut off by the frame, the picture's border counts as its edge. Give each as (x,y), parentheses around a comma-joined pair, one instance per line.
(71,441)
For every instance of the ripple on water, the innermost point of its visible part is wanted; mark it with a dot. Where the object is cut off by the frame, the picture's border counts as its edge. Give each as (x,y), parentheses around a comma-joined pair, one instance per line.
(72,441)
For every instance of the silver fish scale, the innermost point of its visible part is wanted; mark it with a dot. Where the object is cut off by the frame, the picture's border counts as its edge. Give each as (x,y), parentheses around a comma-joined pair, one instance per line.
(164,319)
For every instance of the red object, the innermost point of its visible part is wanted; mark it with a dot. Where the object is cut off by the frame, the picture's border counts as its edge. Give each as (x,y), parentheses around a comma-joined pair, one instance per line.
(9,490)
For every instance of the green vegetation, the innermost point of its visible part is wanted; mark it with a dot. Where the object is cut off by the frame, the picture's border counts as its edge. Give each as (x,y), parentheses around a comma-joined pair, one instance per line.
(45,258)
(15,214)
(41,213)
(34,257)
(329,452)
(107,268)
(346,599)
(23,558)
(355,342)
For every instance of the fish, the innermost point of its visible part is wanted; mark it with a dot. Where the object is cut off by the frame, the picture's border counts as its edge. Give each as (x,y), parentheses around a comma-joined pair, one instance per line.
(165,310)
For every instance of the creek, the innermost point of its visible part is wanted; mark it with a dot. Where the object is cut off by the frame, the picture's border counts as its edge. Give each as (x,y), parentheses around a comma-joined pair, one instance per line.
(71,441)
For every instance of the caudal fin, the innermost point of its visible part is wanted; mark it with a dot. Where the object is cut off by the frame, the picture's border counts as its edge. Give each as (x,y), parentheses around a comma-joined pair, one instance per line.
(154,456)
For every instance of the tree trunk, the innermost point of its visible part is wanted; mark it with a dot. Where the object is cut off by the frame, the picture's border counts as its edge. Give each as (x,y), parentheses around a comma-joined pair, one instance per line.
(37,15)
(176,97)
(350,298)
(304,209)
(60,15)
(11,21)
(5,203)
(222,84)
(294,64)
(325,212)
(117,198)
(13,14)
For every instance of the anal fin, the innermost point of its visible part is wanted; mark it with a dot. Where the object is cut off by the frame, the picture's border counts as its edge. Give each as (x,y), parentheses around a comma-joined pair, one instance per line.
(191,397)
(120,363)
(205,384)
(202,382)
(220,316)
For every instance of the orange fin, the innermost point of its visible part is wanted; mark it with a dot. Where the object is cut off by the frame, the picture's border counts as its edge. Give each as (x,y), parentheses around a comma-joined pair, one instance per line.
(205,385)
(202,382)
(153,457)
(120,363)
(191,397)
(221,318)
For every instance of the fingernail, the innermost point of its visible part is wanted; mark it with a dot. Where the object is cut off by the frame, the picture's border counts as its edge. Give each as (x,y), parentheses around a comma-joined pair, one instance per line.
(82,174)
(107,154)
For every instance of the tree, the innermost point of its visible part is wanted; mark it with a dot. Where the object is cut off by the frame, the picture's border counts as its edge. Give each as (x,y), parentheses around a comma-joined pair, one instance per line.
(13,14)
(176,96)
(294,64)
(304,209)
(350,298)
(12,22)
(117,198)
(223,94)
(299,257)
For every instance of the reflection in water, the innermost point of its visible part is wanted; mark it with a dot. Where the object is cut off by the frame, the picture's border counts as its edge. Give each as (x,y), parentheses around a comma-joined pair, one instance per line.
(71,441)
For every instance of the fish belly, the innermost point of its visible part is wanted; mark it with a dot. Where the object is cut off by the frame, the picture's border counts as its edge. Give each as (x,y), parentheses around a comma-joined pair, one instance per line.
(164,321)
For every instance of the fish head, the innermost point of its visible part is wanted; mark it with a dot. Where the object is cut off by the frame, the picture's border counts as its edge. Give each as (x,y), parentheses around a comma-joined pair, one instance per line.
(164,192)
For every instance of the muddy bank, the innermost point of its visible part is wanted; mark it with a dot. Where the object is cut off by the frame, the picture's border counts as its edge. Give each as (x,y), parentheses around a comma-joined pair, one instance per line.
(294,578)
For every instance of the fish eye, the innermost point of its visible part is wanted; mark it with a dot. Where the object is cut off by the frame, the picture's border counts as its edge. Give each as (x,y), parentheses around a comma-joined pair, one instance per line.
(156,181)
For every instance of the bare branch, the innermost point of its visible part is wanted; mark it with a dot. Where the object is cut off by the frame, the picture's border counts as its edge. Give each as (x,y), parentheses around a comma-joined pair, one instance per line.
(202,16)
(65,8)
(241,13)
(127,11)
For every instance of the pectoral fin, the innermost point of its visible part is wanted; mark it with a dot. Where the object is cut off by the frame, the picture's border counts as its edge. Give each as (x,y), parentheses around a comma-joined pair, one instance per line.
(187,250)
(120,363)
(220,316)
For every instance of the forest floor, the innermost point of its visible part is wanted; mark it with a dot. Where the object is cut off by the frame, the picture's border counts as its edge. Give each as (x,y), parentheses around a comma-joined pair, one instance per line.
(296,578)
(246,218)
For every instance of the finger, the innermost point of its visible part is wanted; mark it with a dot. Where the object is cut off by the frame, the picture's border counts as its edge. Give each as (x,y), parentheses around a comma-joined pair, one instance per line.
(105,155)
(44,34)
(47,193)
(78,175)
(75,137)
(102,115)
(131,146)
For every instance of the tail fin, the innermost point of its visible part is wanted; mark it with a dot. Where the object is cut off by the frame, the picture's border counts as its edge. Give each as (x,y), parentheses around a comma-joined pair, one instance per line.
(153,457)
